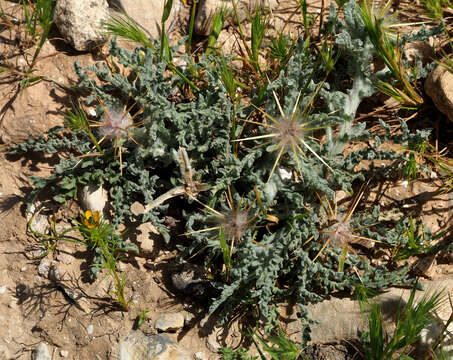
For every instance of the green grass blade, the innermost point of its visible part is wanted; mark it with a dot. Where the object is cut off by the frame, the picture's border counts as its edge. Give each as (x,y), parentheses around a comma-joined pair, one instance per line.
(126,27)
(259,24)
(217,26)
(167,10)
(225,250)
(163,39)
(191,26)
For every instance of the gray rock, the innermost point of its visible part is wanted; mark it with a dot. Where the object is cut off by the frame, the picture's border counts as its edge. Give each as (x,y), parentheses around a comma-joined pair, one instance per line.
(39,223)
(208,8)
(188,279)
(138,346)
(341,319)
(148,14)
(80,22)
(93,198)
(171,321)
(43,267)
(41,352)
(439,86)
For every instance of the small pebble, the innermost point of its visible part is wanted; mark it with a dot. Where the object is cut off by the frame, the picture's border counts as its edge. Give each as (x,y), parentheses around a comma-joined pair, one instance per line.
(64,353)
(90,329)
(121,266)
(41,352)
(23,269)
(135,298)
(285,174)
(199,356)
(2,289)
(188,317)
(43,268)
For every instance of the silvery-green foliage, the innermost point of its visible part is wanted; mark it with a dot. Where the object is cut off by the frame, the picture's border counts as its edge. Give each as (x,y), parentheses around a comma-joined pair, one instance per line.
(270,262)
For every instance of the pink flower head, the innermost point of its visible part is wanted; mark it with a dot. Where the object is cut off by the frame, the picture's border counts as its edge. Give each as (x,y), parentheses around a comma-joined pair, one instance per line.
(114,123)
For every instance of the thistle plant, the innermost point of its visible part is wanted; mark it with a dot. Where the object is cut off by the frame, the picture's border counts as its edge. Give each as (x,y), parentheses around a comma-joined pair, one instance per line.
(198,159)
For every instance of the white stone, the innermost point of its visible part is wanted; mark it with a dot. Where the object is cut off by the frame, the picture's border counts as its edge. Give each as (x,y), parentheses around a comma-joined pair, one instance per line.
(138,346)
(285,174)
(41,352)
(64,353)
(148,14)
(80,22)
(37,222)
(170,321)
(93,198)
(2,289)
(90,329)
(188,317)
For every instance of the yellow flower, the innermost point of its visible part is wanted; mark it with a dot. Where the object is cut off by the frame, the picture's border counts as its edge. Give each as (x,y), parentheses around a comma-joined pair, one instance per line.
(91,220)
